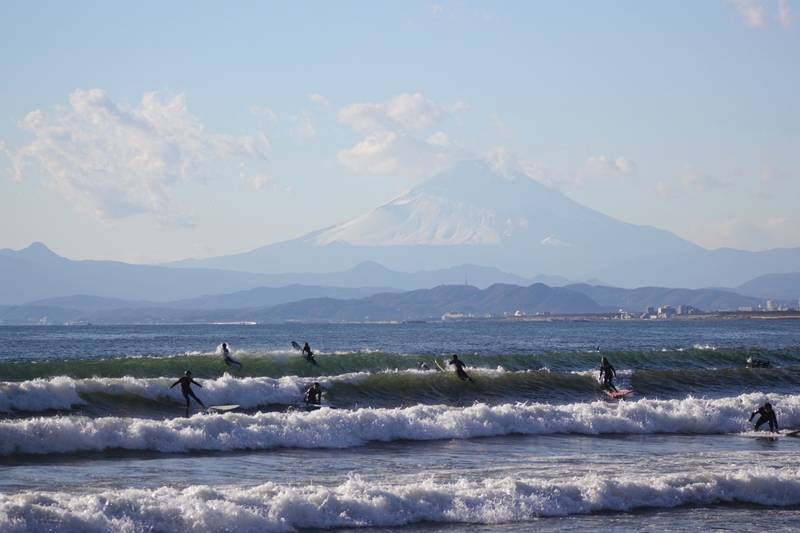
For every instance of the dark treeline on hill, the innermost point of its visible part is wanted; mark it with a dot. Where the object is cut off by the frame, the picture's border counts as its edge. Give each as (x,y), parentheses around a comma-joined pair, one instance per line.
(496,300)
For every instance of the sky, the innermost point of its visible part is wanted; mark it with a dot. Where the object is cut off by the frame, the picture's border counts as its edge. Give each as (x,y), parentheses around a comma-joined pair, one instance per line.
(155,131)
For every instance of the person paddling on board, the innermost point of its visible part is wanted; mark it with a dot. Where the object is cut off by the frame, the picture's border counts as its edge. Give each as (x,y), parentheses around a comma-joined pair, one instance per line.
(607,374)
(186,381)
(767,416)
(308,354)
(459,364)
(756,363)
(313,395)
(226,353)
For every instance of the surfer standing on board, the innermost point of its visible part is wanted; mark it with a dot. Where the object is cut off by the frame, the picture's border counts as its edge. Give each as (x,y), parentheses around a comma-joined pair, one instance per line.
(767,416)
(459,364)
(308,354)
(226,353)
(186,382)
(607,374)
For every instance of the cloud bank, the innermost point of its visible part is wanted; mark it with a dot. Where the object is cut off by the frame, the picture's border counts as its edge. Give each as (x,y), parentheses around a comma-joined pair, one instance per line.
(113,160)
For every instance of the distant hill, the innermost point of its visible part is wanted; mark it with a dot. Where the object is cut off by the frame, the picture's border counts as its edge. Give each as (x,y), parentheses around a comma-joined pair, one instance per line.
(35,273)
(433,303)
(637,300)
(496,300)
(774,286)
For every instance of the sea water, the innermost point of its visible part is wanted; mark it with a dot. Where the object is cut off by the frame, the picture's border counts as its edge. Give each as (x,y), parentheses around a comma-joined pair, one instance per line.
(92,437)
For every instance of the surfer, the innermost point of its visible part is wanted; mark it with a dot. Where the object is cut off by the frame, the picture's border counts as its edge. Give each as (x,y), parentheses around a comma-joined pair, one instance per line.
(226,353)
(313,395)
(308,354)
(459,364)
(422,365)
(607,374)
(756,363)
(767,416)
(186,381)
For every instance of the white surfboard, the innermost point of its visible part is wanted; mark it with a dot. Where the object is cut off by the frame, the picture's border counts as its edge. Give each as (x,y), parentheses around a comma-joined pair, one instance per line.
(223,408)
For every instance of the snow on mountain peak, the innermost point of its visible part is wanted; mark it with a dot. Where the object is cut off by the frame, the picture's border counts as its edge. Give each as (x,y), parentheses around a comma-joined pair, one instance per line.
(454,208)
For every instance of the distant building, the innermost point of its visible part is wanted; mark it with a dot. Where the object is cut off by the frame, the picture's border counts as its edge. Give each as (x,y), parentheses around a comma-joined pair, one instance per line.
(666,311)
(770,305)
(746,308)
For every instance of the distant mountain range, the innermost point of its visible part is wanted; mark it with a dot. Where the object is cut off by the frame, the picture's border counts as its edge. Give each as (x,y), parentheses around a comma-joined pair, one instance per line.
(496,300)
(37,274)
(775,286)
(474,214)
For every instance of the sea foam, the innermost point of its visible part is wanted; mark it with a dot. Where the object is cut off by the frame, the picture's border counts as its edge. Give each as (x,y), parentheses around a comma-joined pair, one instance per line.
(339,428)
(359,503)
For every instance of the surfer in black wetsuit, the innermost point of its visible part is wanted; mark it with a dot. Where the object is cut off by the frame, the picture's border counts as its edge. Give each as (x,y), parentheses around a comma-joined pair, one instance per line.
(767,416)
(313,395)
(308,354)
(422,365)
(226,353)
(186,381)
(459,364)
(757,363)
(607,374)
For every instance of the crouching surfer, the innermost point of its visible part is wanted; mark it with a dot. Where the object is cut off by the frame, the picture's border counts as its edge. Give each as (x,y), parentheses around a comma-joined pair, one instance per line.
(607,375)
(767,416)
(459,364)
(186,383)
(313,396)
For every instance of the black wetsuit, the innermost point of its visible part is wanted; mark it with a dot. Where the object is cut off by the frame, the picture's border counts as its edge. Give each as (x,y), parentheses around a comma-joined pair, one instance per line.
(313,396)
(228,359)
(186,390)
(309,355)
(608,373)
(459,364)
(767,416)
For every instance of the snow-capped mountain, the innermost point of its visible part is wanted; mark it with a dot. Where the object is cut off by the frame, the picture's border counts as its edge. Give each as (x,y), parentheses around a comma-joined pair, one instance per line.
(469,214)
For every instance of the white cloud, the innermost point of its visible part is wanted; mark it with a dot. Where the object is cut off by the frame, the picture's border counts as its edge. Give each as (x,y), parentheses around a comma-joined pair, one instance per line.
(303,127)
(264,112)
(690,181)
(318,99)
(507,163)
(409,112)
(604,165)
(114,160)
(259,181)
(399,136)
(784,13)
(751,11)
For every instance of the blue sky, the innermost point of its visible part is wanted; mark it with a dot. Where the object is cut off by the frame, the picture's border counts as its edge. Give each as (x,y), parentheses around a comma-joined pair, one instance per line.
(155,131)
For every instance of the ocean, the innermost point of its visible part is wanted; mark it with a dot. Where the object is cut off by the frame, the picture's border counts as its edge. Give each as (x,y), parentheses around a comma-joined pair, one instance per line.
(92,437)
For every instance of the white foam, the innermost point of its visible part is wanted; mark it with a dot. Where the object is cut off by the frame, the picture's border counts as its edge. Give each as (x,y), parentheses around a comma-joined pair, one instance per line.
(359,503)
(340,428)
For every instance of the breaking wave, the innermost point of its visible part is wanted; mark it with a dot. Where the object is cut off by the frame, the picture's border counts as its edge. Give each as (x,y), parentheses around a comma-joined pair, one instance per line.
(358,503)
(341,428)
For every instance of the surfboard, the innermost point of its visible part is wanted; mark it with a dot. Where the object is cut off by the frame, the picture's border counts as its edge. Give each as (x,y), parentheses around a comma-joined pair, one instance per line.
(622,393)
(223,408)
(297,346)
(440,366)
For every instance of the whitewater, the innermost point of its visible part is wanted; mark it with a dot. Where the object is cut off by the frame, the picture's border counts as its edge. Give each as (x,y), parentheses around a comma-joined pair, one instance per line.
(92,437)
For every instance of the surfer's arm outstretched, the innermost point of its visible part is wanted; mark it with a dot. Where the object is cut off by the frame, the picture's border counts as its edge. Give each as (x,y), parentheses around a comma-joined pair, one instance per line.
(196,383)
(180,381)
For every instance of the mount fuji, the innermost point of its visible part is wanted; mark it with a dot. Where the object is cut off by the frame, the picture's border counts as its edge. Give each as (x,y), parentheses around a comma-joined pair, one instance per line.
(475,214)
